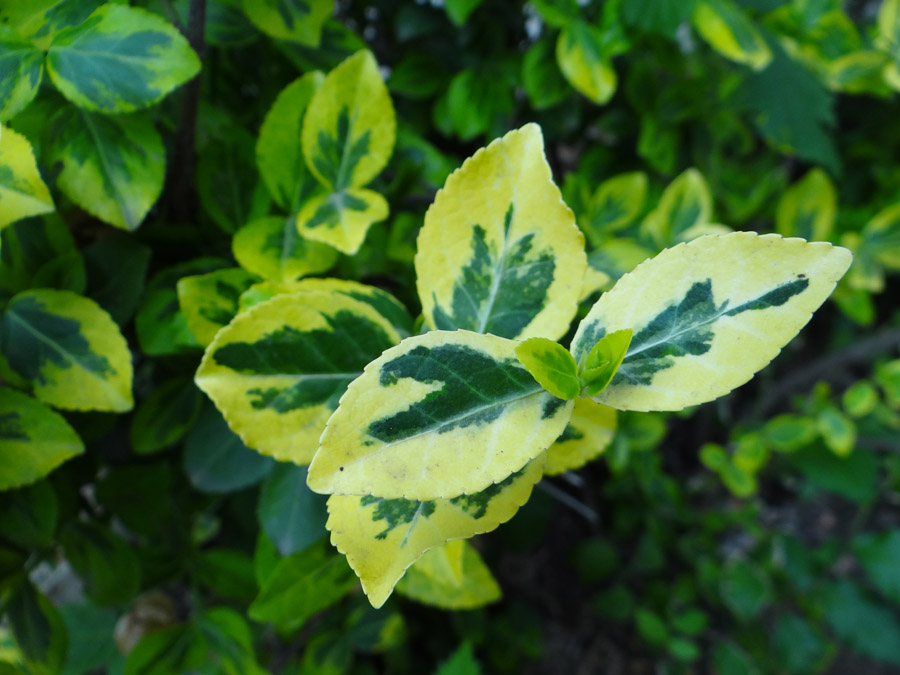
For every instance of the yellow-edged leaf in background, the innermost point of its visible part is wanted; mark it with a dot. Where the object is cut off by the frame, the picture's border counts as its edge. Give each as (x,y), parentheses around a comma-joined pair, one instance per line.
(34,440)
(616,204)
(807,209)
(685,204)
(440,415)
(584,62)
(23,70)
(299,21)
(279,150)
(452,577)
(614,258)
(586,436)
(272,248)
(730,32)
(349,128)
(278,370)
(22,192)
(889,40)
(881,236)
(69,349)
(383,537)
(861,72)
(708,315)
(341,219)
(499,251)
(210,301)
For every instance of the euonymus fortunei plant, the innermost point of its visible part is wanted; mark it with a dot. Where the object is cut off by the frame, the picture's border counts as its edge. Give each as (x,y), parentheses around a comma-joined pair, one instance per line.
(424,439)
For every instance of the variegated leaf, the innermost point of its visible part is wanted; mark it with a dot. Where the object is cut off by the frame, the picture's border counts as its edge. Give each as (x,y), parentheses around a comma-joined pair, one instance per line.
(272,248)
(616,203)
(40,20)
(613,259)
(279,151)
(583,61)
(22,66)
(69,349)
(381,301)
(808,208)
(439,415)
(297,21)
(881,237)
(685,204)
(383,537)
(588,433)
(729,31)
(22,192)
(452,577)
(499,251)
(210,301)
(341,219)
(112,167)
(34,440)
(861,72)
(889,40)
(120,59)
(278,370)
(708,315)
(349,129)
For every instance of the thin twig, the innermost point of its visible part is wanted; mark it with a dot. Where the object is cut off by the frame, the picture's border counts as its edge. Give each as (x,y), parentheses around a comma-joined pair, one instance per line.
(566,499)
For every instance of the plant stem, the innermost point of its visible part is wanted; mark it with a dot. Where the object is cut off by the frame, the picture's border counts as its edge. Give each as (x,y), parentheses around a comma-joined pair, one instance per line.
(566,499)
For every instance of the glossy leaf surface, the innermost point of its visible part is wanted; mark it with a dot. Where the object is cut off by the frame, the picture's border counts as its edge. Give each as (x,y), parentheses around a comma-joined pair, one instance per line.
(586,436)
(22,192)
(452,576)
(210,301)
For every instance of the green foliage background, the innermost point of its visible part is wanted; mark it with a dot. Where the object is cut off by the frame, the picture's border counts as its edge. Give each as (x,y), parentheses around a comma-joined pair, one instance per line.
(758,534)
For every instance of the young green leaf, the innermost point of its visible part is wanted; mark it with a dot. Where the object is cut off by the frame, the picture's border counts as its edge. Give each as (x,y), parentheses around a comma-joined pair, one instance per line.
(383,537)
(34,440)
(297,21)
(730,32)
(582,58)
(69,349)
(808,208)
(210,301)
(120,59)
(272,248)
(551,365)
(616,203)
(499,251)
(586,436)
(708,314)
(277,371)
(279,152)
(439,415)
(341,219)
(349,128)
(685,204)
(22,192)
(452,576)
(23,66)
(111,166)
(604,360)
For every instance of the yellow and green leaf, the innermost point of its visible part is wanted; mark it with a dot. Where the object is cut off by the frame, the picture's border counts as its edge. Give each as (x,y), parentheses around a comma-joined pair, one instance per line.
(34,440)
(615,205)
(341,219)
(349,129)
(299,21)
(603,361)
(452,577)
(439,415)
(69,349)
(272,248)
(837,430)
(383,537)
(499,251)
(708,315)
(685,204)
(40,20)
(120,59)
(111,166)
(889,40)
(279,151)
(586,436)
(881,237)
(551,365)
(808,208)
(22,192)
(584,63)
(866,71)
(22,65)
(210,301)
(278,370)
(728,30)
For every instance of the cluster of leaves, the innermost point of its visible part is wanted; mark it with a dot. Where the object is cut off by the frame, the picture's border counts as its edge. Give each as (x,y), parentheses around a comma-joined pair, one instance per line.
(179,534)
